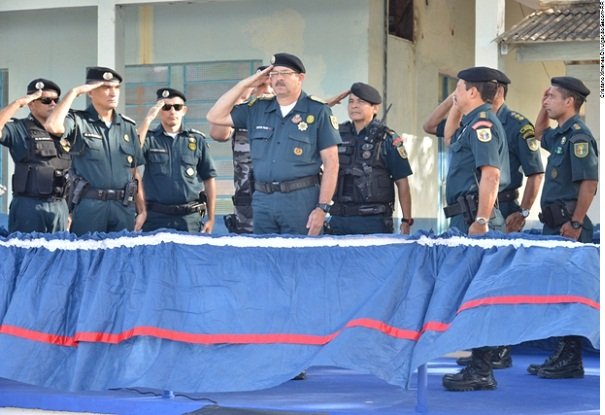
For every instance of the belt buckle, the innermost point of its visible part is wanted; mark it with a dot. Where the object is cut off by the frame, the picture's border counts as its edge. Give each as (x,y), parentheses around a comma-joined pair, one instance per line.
(110,194)
(275,187)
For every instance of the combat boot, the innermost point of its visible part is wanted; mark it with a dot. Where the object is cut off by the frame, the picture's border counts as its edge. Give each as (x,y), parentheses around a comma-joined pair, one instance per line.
(502,358)
(569,362)
(476,376)
(533,368)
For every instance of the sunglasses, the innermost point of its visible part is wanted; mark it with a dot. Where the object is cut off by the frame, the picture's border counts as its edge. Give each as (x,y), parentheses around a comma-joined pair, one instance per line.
(281,73)
(48,100)
(177,107)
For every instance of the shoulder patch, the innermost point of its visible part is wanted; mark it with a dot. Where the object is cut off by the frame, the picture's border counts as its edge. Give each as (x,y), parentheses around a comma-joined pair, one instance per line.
(580,149)
(334,121)
(316,99)
(482,123)
(130,120)
(484,135)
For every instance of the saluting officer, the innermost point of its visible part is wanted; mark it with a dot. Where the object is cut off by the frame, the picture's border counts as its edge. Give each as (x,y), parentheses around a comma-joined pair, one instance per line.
(291,136)
(371,158)
(41,162)
(105,183)
(478,170)
(572,174)
(179,172)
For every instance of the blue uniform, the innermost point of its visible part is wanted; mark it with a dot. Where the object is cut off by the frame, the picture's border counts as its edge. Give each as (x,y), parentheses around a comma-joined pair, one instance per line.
(175,171)
(480,141)
(103,156)
(285,150)
(370,162)
(573,157)
(523,153)
(41,163)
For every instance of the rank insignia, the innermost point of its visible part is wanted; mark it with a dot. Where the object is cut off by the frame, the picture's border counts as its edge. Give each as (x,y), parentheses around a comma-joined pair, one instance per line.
(189,171)
(302,126)
(533,144)
(126,138)
(563,140)
(310,119)
(129,159)
(298,151)
(334,121)
(296,119)
(554,173)
(527,131)
(484,135)
(580,150)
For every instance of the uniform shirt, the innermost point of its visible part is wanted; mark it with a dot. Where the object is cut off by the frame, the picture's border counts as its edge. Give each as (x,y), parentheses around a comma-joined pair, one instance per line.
(573,157)
(523,148)
(103,156)
(176,168)
(286,148)
(480,141)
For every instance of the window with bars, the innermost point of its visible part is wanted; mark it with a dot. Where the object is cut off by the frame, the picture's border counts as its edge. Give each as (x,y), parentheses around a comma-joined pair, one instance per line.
(202,83)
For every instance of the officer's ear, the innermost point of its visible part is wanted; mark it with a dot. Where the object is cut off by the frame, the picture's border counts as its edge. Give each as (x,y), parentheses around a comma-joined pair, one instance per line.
(185,109)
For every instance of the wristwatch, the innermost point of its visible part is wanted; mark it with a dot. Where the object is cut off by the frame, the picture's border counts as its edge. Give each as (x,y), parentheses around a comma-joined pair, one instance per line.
(481,220)
(575,224)
(324,206)
(409,221)
(525,212)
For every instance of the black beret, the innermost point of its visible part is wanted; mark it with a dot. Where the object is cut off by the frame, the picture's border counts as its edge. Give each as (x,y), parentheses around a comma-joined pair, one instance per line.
(479,74)
(501,77)
(366,92)
(170,93)
(289,61)
(570,83)
(44,85)
(100,73)
(261,68)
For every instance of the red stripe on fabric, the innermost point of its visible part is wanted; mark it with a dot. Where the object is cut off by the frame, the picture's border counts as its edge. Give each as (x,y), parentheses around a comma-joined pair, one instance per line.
(529,299)
(37,335)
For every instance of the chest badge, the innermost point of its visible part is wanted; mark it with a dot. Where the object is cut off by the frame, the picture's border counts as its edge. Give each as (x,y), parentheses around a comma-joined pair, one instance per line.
(563,140)
(129,159)
(302,126)
(126,138)
(554,173)
(559,150)
(298,151)
(310,119)
(192,145)
(189,171)
(296,119)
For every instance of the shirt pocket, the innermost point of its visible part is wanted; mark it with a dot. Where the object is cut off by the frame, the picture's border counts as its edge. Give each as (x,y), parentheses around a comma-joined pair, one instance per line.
(189,166)
(259,143)
(300,148)
(127,153)
(158,162)
(95,150)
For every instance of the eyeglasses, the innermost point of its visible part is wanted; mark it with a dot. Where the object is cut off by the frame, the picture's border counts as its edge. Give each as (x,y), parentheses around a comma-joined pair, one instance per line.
(48,100)
(280,73)
(177,107)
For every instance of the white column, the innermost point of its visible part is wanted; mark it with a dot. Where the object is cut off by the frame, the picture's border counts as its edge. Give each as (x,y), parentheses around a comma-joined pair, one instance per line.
(489,23)
(110,37)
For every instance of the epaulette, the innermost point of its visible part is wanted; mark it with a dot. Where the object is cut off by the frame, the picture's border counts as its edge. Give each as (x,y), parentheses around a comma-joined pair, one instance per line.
(316,99)
(482,123)
(193,130)
(517,116)
(13,120)
(576,126)
(266,97)
(130,120)
(483,114)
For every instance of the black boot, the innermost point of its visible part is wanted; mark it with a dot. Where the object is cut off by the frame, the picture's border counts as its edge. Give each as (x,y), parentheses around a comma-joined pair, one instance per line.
(502,358)
(569,362)
(533,368)
(476,376)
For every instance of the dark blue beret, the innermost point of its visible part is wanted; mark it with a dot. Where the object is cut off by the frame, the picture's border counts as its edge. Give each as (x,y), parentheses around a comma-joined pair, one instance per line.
(289,61)
(170,93)
(44,85)
(570,83)
(100,73)
(501,77)
(366,92)
(261,68)
(480,74)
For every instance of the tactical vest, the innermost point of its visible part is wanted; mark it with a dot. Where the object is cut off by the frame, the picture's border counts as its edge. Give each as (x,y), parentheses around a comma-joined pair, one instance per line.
(42,173)
(363,178)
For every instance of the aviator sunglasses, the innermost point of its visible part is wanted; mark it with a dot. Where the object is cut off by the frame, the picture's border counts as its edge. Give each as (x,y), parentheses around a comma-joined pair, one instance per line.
(177,107)
(48,100)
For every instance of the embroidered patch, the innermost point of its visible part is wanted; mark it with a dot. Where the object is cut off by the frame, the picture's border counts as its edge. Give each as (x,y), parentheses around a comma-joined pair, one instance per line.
(298,151)
(580,150)
(527,131)
(334,121)
(533,144)
(484,135)
(482,123)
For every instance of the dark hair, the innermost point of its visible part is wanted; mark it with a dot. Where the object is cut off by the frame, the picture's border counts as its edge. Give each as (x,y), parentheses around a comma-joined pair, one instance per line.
(578,99)
(487,90)
(505,88)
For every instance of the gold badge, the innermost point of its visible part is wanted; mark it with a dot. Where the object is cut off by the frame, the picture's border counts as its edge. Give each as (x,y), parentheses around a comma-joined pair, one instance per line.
(580,150)
(334,121)
(298,151)
(192,146)
(65,145)
(129,159)
(533,144)
(296,119)
(484,135)
(302,126)
(126,138)
(189,171)
(310,119)
(554,173)
(401,150)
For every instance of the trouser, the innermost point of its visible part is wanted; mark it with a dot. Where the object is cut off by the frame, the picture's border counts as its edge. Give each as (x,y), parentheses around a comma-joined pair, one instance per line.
(92,215)
(29,214)
(187,223)
(283,213)
(496,222)
(360,225)
(585,236)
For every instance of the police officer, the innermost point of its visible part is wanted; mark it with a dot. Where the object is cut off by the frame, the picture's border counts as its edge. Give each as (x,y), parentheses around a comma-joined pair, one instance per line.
(569,188)
(41,162)
(178,169)
(105,183)
(243,174)
(372,157)
(291,136)
(478,170)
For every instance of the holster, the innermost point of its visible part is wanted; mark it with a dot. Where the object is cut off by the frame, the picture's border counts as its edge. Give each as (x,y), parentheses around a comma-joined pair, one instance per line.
(130,191)
(556,214)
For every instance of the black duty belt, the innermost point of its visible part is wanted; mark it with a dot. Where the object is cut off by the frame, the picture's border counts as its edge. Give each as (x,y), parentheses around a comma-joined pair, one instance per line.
(177,210)
(465,205)
(104,194)
(556,214)
(287,186)
(508,195)
(361,210)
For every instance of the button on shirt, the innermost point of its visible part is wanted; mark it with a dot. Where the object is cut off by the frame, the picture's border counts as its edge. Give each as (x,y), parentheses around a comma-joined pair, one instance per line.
(573,157)
(103,156)
(286,148)
(476,144)
(176,167)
